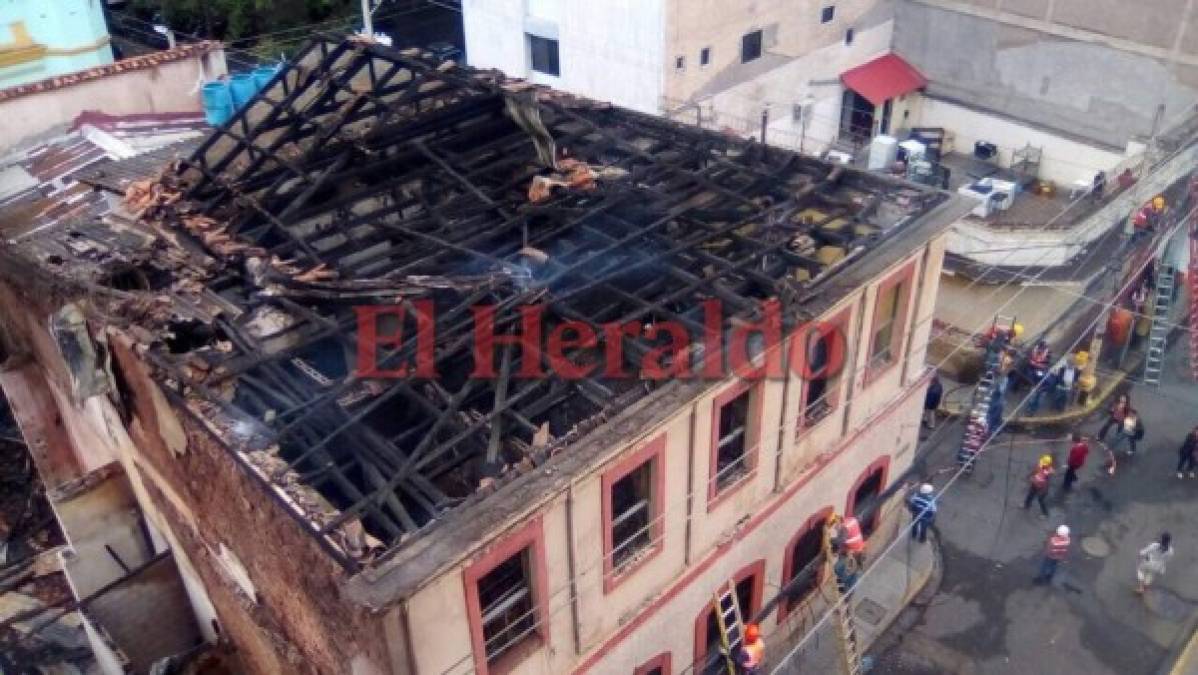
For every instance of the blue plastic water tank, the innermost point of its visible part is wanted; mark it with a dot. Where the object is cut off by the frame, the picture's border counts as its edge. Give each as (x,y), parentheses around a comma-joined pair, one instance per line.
(218,103)
(243,89)
(263,76)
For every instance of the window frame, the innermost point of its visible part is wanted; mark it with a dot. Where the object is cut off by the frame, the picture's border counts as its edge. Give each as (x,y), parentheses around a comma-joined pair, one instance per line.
(680,63)
(704,57)
(744,45)
(849,36)
(555,56)
(902,278)
(881,464)
(841,321)
(827,14)
(532,537)
(662,661)
(653,452)
(819,518)
(755,569)
(752,436)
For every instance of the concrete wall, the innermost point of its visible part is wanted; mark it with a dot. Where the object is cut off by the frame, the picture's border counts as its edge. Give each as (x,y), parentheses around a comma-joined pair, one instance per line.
(166,88)
(654,607)
(1064,159)
(1095,69)
(811,80)
(610,51)
(72,31)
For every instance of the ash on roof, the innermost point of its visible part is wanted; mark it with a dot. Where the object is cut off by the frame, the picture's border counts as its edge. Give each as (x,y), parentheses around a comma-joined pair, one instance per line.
(363,175)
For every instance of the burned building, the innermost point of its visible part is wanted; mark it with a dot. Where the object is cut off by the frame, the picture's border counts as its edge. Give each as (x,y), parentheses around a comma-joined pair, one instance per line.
(417,369)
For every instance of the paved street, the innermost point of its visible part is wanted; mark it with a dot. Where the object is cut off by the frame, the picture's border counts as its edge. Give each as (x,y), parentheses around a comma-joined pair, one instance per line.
(988,617)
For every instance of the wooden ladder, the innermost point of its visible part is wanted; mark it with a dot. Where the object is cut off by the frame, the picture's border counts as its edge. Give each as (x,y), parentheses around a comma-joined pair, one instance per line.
(730,622)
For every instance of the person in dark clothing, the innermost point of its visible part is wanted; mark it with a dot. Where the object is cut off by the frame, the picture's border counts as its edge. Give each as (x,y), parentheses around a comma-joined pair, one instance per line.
(931,401)
(1115,415)
(1098,190)
(1077,459)
(922,505)
(1187,455)
(1046,384)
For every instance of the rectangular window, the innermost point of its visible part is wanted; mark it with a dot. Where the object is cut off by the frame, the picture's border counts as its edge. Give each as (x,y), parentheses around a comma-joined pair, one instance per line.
(731,452)
(506,601)
(632,514)
(505,595)
(886,318)
(827,14)
(848,36)
(679,63)
(826,351)
(750,47)
(543,55)
(633,494)
(705,56)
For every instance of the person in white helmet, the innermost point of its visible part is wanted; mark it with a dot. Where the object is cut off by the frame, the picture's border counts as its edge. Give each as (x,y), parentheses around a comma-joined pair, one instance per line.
(1055,551)
(922,505)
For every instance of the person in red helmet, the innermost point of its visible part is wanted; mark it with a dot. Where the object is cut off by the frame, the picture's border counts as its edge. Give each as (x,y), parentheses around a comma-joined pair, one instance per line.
(752,651)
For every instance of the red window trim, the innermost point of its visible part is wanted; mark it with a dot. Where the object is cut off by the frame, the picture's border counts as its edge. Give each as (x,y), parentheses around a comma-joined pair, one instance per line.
(882,463)
(903,275)
(531,535)
(752,440)
(662,661)
(788,561)
(653,451)
(754,569)
(837,322)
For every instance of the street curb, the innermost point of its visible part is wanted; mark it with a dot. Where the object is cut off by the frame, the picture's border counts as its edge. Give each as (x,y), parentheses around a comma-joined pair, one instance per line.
(1183,653)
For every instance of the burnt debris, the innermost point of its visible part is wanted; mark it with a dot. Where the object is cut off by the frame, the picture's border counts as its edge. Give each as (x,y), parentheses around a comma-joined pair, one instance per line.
(363,176)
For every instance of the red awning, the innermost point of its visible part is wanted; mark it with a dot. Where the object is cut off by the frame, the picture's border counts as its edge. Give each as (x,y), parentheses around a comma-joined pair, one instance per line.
(884,78)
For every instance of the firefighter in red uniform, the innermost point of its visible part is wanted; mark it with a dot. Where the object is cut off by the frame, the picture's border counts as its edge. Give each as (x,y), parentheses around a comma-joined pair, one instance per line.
(852,539)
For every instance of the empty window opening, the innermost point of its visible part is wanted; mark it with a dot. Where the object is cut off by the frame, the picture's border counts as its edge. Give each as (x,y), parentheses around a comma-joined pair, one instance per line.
(750,47)
(827,14)
(806,565)
(705,56)
(848,36)
(543,55)
(505,595)
(866,501)
(680,63)
(633,513)
(732,455)
(885,324)
(712,662)
(816,404)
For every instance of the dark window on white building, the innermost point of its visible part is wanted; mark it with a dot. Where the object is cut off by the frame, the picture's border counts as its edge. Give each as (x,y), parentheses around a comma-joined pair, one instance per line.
(705,56)
(505,596)
(543,55)
(750,47)
(827,14)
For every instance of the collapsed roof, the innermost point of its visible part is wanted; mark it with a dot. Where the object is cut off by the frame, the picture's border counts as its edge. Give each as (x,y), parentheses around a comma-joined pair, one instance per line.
(362,175)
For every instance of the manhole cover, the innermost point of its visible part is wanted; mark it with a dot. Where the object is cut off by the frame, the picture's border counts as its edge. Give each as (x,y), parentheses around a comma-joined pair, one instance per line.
(1096,547)
(870,612)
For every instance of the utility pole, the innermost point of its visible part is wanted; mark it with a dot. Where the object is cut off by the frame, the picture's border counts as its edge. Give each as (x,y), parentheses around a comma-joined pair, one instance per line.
(367,21)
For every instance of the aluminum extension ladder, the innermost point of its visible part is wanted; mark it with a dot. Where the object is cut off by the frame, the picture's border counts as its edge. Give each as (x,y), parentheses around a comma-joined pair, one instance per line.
(976,426)
(730,622)
(1159,335)
(846,631)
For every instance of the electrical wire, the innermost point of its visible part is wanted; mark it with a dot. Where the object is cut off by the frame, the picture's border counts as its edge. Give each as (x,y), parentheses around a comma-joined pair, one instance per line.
(578,575)
(960,472)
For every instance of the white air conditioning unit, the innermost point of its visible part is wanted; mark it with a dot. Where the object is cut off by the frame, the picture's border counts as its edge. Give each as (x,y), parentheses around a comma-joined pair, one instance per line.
(839,157)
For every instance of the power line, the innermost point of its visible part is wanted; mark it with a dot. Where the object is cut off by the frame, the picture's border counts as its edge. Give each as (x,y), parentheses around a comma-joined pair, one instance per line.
(952,480)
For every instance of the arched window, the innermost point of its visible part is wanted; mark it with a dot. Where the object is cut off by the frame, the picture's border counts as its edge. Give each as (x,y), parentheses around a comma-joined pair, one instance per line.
(750,582)
(865,497)
(803,565)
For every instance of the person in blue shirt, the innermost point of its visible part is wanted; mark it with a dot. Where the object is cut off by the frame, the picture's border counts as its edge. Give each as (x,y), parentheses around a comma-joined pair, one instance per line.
(922,505)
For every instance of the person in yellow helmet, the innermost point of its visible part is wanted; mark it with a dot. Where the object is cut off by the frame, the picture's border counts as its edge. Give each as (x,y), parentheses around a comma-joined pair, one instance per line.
(1038,482)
